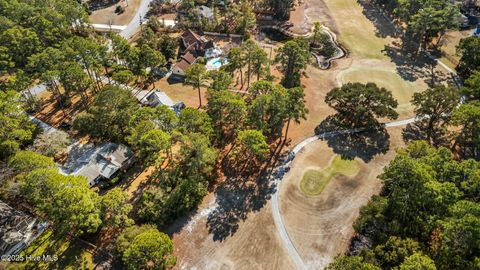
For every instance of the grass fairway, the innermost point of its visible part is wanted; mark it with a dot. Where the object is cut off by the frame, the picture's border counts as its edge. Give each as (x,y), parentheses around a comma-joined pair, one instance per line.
(358,34)
(401,89)
(314,181)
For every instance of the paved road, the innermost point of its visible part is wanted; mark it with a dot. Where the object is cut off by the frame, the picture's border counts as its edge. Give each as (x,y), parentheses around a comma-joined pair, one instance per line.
(277,217)
(44,126)
(135,22)
(108,27)
(120,28)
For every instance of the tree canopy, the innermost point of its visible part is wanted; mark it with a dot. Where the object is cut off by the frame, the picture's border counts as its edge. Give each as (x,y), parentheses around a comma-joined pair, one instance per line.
(434,106)
(115,209)
(469,50)
(292,59)
(27,161)
(358,105)
(67,200)
(17,129)
(109,115)
(427,215)
(149,249)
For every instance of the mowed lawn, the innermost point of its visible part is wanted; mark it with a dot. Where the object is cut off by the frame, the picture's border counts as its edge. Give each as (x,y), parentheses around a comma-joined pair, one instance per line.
(314,181)
(357,33)
(366,34)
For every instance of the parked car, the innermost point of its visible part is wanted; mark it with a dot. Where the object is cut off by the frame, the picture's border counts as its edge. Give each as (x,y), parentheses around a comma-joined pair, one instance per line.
(472,20)
(65,125)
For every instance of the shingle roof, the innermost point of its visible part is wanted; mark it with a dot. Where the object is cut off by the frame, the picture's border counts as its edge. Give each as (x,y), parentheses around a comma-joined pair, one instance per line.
(94,161)
(189,57)
(189,37)
(182,64)
(15,227)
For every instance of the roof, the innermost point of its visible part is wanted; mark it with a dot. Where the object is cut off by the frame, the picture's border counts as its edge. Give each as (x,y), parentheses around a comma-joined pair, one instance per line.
(182,64)
(189,37)
(17,229)
(189,57)
(161,98)
(92,161)
(205,11)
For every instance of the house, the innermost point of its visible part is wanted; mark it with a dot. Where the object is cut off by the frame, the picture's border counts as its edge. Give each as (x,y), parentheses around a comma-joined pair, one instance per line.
(205,12)
(194,42)
(192,47)
(97,162)
(158,98)
(17,230)
(185,61)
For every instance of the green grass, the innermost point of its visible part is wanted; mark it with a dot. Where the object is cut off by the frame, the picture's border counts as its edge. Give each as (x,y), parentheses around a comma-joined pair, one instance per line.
(70,254)
(357,32)
(314,181)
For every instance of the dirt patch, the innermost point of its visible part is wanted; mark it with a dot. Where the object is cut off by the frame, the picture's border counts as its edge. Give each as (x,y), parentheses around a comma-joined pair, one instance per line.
(321,226)
(108,16)
(253,246)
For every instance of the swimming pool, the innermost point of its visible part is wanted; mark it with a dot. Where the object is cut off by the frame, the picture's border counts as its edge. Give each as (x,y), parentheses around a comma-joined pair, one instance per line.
(216,63)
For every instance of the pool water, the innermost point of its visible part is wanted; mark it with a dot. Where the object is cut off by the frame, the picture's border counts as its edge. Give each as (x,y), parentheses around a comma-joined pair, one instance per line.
(216,63)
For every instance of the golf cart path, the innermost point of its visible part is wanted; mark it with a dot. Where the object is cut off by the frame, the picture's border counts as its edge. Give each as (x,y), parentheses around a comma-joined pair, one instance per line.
(282,231)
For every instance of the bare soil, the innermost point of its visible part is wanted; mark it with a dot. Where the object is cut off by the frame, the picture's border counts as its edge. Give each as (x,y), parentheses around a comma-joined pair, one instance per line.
(449,46)
(255,245)
(321,226)
(108,16)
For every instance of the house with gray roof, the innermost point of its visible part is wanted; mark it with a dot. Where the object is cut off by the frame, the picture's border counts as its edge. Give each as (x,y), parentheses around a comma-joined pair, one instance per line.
(17,230)
(159,98)
(97,162)
(205,12)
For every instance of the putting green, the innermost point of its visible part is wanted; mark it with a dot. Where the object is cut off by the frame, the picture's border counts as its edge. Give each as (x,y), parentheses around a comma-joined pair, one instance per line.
(314,181)
(401,89)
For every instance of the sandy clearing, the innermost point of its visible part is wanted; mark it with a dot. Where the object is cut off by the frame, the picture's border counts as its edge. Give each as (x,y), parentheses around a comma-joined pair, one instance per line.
(321,226)
(254,246)
(108,15)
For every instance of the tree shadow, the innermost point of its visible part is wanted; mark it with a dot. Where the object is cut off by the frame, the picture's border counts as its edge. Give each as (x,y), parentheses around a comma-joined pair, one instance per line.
(413,132)
(236,199)
(382,25)
(364,143)
(410,67)
(242,193)
(413,67)
(417,131)
(174,79)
